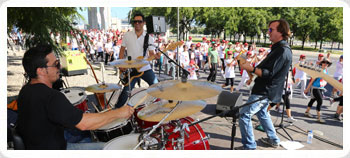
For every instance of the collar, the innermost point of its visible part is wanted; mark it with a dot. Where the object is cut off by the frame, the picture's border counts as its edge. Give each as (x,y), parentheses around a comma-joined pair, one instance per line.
(280,43)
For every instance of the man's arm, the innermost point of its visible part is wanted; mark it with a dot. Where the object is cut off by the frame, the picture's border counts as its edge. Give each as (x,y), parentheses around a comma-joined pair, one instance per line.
(91,121)
(121,52)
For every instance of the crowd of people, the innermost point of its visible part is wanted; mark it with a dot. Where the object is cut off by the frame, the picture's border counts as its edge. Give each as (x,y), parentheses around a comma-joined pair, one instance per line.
(271,66)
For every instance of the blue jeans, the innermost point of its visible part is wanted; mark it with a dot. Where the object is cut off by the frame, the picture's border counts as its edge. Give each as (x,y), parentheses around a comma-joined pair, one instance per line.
(148,76)
(245,122)
(85,146)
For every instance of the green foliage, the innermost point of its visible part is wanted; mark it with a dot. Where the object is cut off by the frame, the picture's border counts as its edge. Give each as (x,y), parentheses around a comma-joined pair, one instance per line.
(39,22)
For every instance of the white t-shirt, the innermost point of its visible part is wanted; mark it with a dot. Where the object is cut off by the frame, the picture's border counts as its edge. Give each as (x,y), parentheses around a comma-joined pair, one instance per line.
(108,47)
(300,74)
(188,43)
(135,46)
(99,46)
(338,70)
(116,50)
(221,52)
(229,70)
(204,47)
(185,58)
(192,70)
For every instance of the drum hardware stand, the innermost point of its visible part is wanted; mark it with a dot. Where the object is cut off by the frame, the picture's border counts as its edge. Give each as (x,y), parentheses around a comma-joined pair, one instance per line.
(233,113)
(156,126)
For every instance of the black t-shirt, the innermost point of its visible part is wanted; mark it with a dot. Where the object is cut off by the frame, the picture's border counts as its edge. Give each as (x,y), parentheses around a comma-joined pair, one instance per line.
(42,115)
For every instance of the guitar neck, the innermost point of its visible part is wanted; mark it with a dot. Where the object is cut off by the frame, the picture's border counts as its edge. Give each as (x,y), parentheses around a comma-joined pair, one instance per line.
(315,74)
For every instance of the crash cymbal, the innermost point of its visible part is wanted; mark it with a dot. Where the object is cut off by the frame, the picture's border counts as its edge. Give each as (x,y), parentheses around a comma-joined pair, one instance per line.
(190,90)
(102,88)
(125,63)
(156,111)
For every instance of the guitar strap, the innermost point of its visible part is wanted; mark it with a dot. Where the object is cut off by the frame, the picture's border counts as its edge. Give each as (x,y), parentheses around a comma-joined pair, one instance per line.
(145,44)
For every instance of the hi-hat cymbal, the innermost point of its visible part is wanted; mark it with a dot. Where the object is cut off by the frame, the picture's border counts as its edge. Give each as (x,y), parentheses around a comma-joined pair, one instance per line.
(102,88)
(190,90)
(156,111)
(125,63)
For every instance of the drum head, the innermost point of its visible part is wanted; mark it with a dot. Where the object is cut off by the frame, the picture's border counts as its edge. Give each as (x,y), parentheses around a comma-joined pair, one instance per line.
(126,142)
(140,97)
(74,95)
(114,124)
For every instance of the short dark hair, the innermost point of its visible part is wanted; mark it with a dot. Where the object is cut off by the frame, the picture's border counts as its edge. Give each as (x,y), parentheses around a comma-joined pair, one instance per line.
(139,14)
(283,28)
(35,58)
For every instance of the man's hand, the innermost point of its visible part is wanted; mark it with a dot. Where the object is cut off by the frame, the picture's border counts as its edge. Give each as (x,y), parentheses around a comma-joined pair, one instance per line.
(246,66)
(126,111)
(248,82)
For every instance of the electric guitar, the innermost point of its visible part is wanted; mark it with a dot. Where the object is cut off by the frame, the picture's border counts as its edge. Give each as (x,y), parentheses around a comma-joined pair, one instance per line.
(316,72)
(135,72)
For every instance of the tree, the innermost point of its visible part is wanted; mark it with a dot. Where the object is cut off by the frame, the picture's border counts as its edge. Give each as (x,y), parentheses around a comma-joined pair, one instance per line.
(306,21)
(39,22)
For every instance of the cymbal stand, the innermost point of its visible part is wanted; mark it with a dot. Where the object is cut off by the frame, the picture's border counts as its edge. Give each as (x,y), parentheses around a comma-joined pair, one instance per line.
(156,126)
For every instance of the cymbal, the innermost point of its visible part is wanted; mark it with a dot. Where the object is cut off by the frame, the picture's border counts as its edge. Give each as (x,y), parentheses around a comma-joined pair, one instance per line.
(102,88)
(190,90)
(156,111)
(125,63)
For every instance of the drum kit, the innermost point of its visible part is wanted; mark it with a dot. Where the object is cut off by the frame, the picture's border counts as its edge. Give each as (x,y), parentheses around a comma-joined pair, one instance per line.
(161,118)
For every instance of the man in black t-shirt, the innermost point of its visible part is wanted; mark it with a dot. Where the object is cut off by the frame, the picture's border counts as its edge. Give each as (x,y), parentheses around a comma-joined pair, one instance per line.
(44,112)
(271,73)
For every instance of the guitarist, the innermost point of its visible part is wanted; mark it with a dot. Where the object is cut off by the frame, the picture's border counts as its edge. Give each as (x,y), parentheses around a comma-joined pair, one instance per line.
(134,42)
(271,73)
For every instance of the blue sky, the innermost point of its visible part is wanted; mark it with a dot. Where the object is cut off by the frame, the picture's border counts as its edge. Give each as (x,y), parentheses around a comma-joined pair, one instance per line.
(119,12)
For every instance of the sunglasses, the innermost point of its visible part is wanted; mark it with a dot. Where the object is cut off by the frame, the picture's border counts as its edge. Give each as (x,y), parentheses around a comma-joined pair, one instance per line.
(137,21)
(270,30)
(57,64)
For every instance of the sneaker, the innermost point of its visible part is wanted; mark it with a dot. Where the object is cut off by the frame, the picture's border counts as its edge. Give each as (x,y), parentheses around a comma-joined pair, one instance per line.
(320,120)
(304,96)
(331,102)
(307,114)
(291,120)
(336,115)
(278,109)
(269,142)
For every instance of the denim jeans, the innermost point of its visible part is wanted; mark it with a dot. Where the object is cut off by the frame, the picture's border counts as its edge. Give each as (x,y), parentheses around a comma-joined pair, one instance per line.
(245,122)
(148,76)
(85,146)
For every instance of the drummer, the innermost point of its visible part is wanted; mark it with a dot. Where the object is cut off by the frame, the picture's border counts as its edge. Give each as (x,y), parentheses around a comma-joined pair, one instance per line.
(134,42)
(43,112)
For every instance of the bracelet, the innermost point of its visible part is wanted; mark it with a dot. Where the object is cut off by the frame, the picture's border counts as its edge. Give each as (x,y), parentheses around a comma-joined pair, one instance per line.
(254,70)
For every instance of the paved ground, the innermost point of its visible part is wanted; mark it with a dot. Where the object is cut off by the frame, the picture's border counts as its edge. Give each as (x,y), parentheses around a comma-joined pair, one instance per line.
(329,136)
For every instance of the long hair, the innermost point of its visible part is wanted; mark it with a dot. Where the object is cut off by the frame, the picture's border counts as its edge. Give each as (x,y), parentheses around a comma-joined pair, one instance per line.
(283,28)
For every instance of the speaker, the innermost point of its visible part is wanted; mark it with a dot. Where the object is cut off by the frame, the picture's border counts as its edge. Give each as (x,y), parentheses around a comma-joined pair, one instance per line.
(227,100)
(155,24)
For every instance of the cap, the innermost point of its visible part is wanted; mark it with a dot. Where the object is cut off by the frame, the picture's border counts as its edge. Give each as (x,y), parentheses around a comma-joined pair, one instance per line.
(261,49)
(245,44)
(320,55)
(249,53)
(192,62)
(302,56)
(229,52)
(204,38)
(223,41)
(230,43)
(198,44)
(341,56)
(237,42)
(213,42)
(190,37)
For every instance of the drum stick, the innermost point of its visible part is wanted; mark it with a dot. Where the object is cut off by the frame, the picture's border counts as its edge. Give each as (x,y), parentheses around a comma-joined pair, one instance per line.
(93,104)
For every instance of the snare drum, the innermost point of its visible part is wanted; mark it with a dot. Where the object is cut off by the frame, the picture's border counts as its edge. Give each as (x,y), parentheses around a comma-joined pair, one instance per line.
(114,129)
(77,97)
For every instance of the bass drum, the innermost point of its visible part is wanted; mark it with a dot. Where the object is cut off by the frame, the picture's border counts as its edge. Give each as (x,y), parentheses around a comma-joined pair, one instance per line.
(77,97)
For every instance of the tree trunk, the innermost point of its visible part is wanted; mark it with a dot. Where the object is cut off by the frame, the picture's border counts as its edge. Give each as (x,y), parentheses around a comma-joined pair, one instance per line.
(302,46)
(321,43)
(338,45)
(332,46)
(224,34)
(230,37)
(315,44)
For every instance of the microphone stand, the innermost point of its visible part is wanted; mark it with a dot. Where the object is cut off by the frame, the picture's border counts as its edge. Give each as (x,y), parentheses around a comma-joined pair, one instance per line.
(185,73)
(234,113)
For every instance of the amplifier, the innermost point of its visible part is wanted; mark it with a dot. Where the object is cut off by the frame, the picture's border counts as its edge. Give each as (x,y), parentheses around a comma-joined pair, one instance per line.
(227,100)
(73,63)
